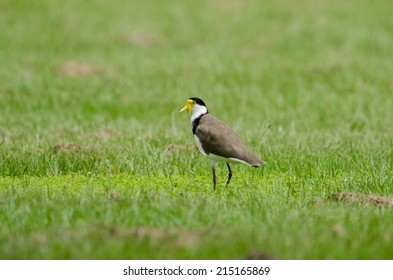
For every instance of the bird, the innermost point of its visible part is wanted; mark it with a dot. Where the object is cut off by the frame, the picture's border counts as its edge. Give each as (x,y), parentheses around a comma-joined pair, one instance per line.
(216,140)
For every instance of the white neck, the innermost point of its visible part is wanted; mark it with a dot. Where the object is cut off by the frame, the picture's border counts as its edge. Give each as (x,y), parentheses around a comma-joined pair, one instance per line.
(197,111)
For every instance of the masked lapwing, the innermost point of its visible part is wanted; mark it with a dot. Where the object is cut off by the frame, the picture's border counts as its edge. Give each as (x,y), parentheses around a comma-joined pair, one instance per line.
(216,140)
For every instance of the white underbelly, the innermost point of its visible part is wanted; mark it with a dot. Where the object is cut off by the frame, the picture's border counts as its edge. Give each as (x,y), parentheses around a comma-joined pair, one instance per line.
(199,145)
(229,160)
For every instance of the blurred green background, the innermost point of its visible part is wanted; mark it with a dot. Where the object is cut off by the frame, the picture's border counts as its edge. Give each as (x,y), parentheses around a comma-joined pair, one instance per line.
(90,91)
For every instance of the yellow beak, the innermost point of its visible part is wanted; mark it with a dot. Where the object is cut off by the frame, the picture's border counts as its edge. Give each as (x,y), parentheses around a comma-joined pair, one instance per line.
(188,106)
(184,108)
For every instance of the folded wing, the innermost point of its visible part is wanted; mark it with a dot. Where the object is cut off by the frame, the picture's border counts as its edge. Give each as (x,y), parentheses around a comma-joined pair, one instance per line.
(218,139)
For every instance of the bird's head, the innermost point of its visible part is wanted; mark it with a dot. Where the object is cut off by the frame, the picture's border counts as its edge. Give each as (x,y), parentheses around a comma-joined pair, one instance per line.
(195,106)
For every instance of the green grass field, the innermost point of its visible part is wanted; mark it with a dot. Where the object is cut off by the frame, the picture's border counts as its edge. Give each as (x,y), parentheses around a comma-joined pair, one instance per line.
(98,163)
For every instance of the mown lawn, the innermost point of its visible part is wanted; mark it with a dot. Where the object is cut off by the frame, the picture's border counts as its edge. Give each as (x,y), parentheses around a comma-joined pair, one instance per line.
(97,162)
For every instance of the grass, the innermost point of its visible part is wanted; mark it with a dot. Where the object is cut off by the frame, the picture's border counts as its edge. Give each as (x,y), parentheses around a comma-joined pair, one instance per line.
(97,163)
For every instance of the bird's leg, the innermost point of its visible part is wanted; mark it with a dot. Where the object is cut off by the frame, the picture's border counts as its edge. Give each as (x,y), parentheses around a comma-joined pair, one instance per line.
(214,178)
(229,174)
(214,175)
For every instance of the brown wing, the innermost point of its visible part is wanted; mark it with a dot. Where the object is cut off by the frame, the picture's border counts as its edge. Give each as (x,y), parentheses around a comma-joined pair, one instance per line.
(218,139)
